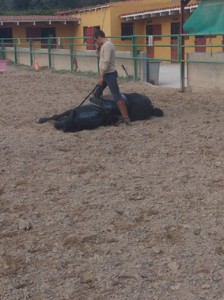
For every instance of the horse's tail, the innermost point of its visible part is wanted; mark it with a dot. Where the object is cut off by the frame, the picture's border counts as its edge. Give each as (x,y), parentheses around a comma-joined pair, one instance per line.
(157,112)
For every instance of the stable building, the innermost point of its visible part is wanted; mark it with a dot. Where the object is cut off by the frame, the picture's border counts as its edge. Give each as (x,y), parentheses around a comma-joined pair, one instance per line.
(37,28)
(152,25)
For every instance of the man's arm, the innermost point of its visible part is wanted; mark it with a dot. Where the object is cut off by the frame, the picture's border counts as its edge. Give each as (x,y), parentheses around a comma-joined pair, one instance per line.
(102,72)
(108,53)
(107,61)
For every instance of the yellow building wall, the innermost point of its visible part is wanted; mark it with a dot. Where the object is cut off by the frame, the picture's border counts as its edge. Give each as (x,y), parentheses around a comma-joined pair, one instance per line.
(93,18)
(61,30)
(90,18)
(64,31)
(120,8)
(109,20)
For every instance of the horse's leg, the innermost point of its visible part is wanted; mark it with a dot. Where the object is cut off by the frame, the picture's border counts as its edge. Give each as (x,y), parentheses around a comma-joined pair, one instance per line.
(58,117)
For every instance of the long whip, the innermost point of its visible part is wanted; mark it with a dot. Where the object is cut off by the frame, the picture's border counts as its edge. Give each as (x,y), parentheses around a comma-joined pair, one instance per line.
(42,120)
(88,95)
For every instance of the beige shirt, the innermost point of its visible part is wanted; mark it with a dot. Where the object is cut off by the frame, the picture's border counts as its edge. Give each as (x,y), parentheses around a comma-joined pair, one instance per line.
(107,57)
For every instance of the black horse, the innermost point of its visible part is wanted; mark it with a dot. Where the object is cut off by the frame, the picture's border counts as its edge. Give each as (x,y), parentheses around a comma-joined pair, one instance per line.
(91,116)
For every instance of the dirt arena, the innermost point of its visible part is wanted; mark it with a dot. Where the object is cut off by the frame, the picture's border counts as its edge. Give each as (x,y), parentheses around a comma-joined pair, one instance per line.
(121,213)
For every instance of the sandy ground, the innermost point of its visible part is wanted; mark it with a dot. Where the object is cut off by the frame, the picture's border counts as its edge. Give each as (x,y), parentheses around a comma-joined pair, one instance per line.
(118,213)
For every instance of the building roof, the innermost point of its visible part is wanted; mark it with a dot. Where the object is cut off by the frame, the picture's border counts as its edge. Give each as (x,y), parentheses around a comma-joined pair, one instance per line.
(134,15)
(162,11)
(37,19)
(83,9)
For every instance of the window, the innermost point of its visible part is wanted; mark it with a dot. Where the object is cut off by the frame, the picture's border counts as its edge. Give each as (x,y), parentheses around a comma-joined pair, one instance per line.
(86,32)
(155,29)
(42,34)
(33,33)
(175,28)
(48,35)
(127,29)
(149,30)
(6,35)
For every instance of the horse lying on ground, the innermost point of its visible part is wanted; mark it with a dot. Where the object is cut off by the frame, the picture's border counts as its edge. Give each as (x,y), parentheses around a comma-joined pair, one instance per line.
(91,116)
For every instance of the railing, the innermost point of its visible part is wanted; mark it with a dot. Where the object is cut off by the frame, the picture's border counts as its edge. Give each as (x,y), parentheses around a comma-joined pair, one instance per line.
(166,48)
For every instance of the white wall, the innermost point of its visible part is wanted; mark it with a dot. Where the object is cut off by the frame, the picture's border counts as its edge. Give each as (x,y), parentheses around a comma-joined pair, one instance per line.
(61,60)
(205,75)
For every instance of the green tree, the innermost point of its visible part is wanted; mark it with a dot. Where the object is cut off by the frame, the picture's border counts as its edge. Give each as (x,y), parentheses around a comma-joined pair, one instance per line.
(6,5)
(29,5)
(20,4)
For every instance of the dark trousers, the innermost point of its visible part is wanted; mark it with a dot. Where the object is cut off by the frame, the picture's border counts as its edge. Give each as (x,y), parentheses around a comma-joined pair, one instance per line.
(110,80)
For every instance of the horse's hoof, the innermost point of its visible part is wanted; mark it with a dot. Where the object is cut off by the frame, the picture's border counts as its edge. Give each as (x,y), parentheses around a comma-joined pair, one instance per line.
(41,120)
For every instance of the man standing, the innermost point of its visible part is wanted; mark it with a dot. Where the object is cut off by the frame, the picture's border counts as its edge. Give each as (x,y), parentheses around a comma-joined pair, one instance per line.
(108,73)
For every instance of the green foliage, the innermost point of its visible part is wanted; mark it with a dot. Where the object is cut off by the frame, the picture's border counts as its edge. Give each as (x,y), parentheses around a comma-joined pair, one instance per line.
(27,7)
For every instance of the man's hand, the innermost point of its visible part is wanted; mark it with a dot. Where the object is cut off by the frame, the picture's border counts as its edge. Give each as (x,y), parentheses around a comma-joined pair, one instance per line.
(100,80)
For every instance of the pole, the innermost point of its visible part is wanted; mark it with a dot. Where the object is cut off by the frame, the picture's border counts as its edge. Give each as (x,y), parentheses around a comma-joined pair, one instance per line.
(182,45)
(15,51)
(71,43)
(31,52)
(134,56)
(49,53)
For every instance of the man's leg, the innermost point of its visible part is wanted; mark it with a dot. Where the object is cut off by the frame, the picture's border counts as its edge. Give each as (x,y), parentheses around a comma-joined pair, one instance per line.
(97,95)
(124,111)
(111,80)
(99,90)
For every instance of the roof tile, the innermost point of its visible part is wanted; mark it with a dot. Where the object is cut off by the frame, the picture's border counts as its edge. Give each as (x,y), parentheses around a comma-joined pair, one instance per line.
(38,18)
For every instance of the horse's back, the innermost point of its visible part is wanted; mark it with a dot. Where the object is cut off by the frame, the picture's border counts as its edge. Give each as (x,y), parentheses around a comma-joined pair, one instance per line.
(84,117)
(139,106)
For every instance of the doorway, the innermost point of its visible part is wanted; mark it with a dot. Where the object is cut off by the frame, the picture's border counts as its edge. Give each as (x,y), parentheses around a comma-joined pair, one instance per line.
(6,35)
(200,40)
(47,33)
(151,30)
(88,33)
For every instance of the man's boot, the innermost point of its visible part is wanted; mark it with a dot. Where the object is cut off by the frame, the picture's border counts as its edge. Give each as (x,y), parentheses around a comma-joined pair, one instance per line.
(124,111)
